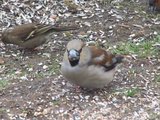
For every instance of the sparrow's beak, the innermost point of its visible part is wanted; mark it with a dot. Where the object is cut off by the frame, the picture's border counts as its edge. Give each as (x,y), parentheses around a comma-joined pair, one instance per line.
(73,55)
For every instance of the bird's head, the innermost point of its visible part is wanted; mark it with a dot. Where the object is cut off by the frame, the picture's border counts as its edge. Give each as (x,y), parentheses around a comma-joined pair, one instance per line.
(74,49)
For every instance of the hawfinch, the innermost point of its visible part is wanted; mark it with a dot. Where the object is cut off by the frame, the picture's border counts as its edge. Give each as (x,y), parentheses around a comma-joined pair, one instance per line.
(31,35)
(88,66)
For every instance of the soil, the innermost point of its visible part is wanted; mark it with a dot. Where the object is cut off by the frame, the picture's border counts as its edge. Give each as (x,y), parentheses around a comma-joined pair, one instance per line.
(35,88)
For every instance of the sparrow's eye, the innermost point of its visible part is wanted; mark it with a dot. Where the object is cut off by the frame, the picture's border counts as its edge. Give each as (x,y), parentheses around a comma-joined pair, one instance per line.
(73,55)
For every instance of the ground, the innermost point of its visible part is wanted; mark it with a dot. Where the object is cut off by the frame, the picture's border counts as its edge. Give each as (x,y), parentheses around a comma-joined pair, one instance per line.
(31,83)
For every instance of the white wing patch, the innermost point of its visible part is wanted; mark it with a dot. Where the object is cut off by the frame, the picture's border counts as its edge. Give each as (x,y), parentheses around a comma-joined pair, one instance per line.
(99,58)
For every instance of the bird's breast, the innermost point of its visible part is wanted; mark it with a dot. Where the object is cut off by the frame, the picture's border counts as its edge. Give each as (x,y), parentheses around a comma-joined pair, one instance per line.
(87,76)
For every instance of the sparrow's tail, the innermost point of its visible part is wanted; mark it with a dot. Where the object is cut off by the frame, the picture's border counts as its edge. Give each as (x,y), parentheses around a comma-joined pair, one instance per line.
(64,28)
(50,28)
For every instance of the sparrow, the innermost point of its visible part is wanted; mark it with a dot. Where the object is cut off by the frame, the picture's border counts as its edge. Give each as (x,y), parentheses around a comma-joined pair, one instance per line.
(89,66)
(154,5)
(31,35)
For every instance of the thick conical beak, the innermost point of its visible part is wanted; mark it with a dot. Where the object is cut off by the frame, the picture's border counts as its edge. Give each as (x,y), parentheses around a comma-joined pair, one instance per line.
(73,55)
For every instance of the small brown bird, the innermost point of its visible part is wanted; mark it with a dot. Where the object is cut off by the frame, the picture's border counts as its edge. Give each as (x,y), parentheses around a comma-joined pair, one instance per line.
(89,66)
(154,5)
(31,35)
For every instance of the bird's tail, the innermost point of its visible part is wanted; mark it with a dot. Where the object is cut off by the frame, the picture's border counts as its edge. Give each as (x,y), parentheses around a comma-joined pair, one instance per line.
(50,29)
(119,59)
(64,28)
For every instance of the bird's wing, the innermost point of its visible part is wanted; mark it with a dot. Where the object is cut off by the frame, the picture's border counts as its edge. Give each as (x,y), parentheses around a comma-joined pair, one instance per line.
(103,58)
(24,31)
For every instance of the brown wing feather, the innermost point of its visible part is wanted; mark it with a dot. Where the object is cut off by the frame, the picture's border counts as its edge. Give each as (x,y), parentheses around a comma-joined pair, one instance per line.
(23,30)
(103,58)
(100,56)
(157,3)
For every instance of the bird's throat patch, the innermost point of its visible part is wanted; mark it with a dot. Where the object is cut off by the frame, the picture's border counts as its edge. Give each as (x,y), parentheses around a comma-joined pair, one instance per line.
(74,63)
